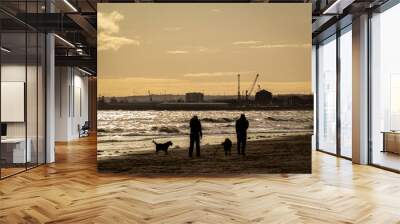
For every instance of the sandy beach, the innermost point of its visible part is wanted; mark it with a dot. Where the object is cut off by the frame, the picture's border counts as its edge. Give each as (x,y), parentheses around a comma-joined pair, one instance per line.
(284,154)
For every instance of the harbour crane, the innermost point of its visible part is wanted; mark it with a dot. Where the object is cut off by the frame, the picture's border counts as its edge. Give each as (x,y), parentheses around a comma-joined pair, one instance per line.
(238,99)
(248,93)
(150,96)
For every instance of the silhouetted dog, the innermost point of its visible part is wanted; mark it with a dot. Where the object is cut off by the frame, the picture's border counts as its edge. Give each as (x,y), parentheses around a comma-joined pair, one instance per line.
(162,146)
(227,146)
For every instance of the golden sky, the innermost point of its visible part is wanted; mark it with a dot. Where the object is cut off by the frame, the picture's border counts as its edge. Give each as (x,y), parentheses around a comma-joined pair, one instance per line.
(178,48)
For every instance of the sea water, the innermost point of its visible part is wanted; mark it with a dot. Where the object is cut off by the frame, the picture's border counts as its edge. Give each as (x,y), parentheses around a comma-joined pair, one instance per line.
(127,132)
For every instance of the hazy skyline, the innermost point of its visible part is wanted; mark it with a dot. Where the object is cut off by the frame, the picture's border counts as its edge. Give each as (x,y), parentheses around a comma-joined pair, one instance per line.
(178,48)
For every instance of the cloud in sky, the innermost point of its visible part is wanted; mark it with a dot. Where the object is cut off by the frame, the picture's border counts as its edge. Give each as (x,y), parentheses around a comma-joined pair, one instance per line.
(177,52)
(108,26)
(202,49)
(247,42)
(255,44)
(204,55)
(145,79)
(107,42)
(215,74)
(281,46)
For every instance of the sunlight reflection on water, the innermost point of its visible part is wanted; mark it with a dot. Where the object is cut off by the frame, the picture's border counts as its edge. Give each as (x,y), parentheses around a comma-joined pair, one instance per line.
(122,132)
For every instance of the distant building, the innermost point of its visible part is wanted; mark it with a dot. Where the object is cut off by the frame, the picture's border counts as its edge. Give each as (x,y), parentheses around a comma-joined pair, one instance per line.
(101,100)
(114,99)
(263,97)
(194,97)
(293,100)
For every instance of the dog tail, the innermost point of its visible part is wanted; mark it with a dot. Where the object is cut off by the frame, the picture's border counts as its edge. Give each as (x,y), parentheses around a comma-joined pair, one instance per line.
(154,142)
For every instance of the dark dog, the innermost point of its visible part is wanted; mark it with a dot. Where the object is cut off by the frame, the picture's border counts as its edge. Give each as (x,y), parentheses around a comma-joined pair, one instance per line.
(162,146)
(227,146)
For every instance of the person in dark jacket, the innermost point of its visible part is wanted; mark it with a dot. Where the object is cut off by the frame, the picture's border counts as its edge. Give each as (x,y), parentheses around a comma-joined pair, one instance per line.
(195,135)
(242,124)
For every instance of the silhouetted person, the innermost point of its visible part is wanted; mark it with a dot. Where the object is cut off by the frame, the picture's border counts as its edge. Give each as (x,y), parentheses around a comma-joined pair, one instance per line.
(242,124)
(195,135)
(227,146)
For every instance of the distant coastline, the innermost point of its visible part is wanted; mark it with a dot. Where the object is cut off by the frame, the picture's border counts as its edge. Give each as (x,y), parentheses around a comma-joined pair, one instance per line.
(175,102)
(193,106)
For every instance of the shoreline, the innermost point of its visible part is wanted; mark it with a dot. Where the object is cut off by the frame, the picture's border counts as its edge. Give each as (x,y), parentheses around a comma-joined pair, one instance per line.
(284,154)
(180,142)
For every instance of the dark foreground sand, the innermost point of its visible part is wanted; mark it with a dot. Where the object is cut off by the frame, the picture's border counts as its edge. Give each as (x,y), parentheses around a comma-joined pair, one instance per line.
(290,154)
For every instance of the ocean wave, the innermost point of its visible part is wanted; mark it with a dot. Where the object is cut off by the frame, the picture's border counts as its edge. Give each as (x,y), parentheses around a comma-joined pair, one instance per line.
(218,120)
(112,140)
(166,129)
(110,130)
(132,134)
(289,119)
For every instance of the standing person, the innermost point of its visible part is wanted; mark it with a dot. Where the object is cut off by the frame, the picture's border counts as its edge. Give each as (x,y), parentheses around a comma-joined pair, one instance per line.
(242,124)
(195,135)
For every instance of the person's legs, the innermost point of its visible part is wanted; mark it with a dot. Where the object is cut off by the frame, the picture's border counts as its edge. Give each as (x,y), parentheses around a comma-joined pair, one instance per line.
(238,145)
(197,147)
(244,146)
(191,146)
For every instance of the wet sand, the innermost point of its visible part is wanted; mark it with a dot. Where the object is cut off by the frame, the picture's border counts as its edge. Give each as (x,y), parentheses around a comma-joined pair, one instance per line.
(287,154)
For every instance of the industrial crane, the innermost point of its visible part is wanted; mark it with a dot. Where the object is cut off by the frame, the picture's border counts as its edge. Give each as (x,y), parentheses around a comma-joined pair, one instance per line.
(248,93)
(150,96)
(238,99)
